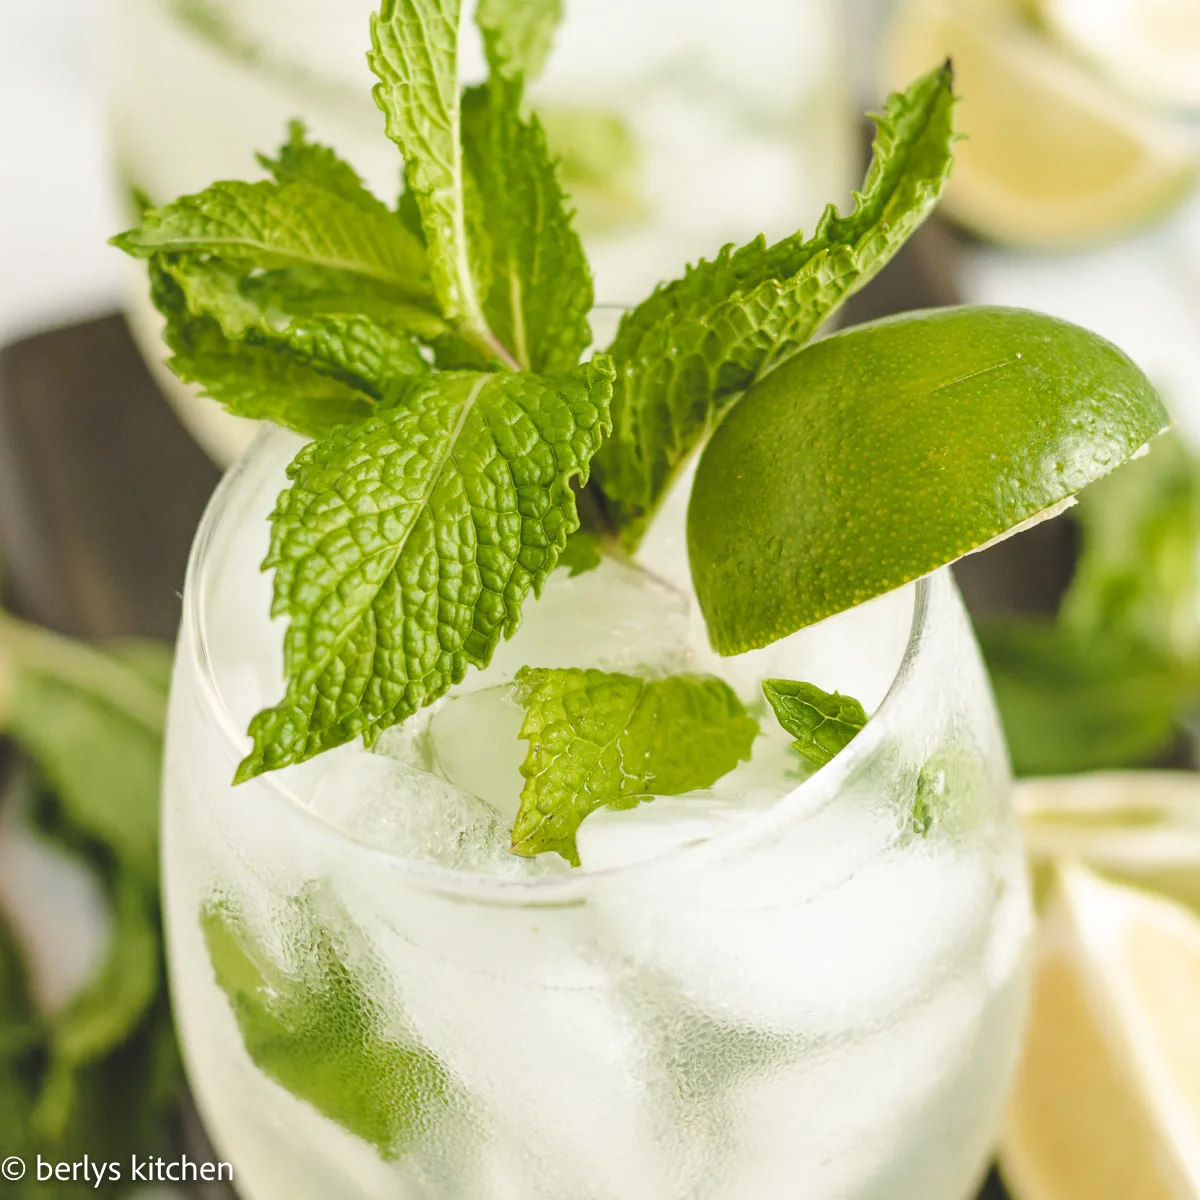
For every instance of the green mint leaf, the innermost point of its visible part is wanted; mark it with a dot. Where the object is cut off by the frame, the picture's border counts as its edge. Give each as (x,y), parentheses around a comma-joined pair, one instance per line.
(309,1024)
(293,224)
(254,381)
(106,1014)
(600,165)
(599,739)
(406,545)
(581,553)
(327,332)
(302,161)
(685,355)
(823,723)
(1070,705)
(93,725)
(541,290)
(1138,575)
(517,34)
(414,55)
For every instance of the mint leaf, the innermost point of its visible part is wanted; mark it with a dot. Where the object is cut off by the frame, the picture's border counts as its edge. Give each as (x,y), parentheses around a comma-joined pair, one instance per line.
(302,161)
(309,1024)
(296,223)
(1071,705)
(599,164)
(581,553)
(517,34)
(541,291)
(1138,576)
(406,545)
(108,1011)
(327,332)
(600,739)
(823,723)
(414,55)
(685,355)
(93,725)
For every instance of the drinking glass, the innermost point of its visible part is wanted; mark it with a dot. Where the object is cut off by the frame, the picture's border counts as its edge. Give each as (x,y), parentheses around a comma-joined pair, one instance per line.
(823,999)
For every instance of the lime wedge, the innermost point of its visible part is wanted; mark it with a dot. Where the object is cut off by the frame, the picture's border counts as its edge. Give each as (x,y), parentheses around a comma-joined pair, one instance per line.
(1052,156)
(1107,1104)
(1149,48)
(883,452)
(1141,827)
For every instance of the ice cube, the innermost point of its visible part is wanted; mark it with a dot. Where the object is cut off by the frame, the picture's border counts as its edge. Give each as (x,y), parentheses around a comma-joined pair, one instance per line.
(475,743)
(402,810)
(620,837)
(615,618)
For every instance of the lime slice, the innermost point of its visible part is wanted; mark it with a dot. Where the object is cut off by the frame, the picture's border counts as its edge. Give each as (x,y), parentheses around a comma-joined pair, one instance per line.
(1107,1100)
(1150,48)
(1052,157)
(1142,827)
(888,450)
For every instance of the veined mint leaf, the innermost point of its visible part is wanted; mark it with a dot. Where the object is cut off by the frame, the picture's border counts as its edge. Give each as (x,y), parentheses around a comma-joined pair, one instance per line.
(271,225)
(599,739)
(406,545)
(581,553)
(255,381)
(366,352)
(517,34)
(302,161)
(823,723)
(541,290)
(309,1024)
(685,355)
(93,725)
(414,55)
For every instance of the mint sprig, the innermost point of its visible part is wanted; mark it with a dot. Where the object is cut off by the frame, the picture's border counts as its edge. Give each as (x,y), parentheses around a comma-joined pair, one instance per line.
(308,1024)
(603,739)
(406,545)
(822,723)
(686,354)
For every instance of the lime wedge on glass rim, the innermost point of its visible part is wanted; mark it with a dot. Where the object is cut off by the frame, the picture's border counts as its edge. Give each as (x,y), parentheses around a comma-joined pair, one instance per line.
(883,452)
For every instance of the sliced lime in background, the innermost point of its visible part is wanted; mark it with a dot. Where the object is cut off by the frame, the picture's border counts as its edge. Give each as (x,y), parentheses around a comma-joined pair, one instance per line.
(884,452)
(1053,155)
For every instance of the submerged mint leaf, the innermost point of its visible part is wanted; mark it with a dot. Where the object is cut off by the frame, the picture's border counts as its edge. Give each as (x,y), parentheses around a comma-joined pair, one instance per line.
(685,355)
(414,55)
(406,545)
(517,34)
(309,1024)
(823,723)
(541,286)
(597,739)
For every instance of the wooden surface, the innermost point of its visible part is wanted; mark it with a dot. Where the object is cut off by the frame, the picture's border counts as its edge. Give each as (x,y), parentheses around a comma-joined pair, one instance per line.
(101,488)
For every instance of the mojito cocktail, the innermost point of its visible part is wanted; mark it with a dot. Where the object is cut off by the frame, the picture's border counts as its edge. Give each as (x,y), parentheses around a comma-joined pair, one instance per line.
(634,818)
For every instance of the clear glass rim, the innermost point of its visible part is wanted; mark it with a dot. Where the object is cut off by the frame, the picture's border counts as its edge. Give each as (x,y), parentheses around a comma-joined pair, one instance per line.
(543,892)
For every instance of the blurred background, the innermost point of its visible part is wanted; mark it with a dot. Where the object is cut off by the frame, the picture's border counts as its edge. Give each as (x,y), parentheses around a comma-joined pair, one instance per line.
(681,125)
